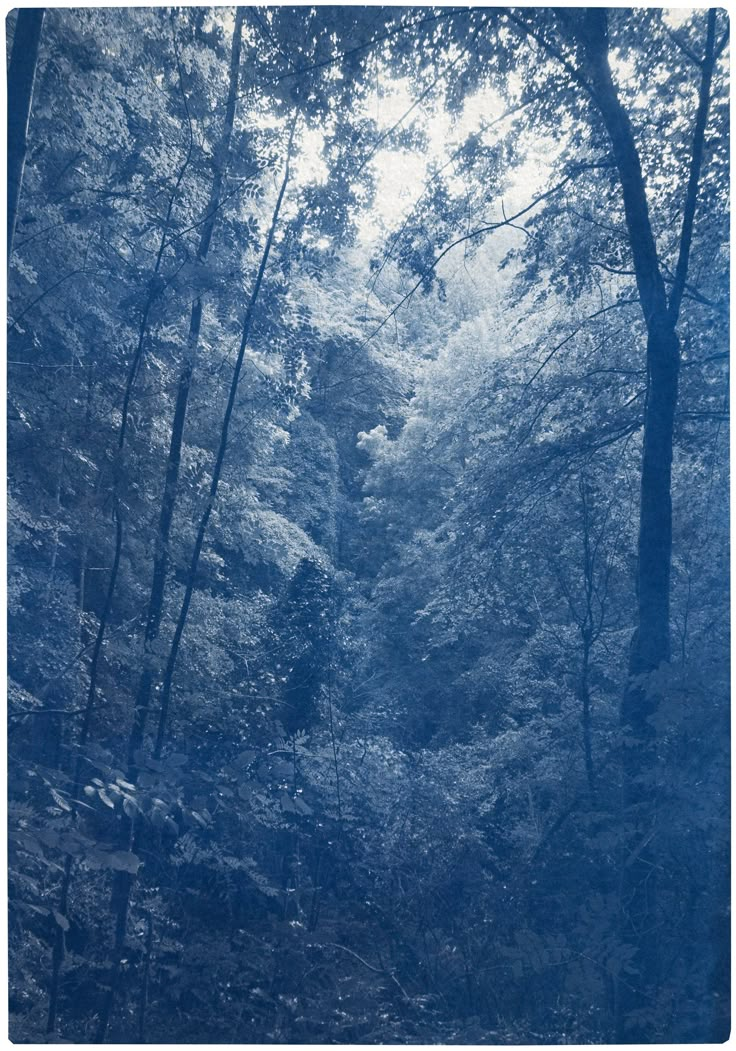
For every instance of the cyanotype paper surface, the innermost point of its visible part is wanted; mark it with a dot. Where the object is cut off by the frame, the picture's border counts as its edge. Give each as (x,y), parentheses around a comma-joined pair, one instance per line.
(368,525)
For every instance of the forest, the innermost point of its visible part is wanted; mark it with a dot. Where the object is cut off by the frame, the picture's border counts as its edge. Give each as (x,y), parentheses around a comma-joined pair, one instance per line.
(367,459)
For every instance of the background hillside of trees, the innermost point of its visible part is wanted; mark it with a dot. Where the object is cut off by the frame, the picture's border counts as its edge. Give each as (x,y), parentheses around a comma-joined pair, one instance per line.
(368,525)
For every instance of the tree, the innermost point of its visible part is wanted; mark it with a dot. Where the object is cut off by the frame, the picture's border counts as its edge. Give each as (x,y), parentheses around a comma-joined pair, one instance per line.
(173,463)
(21,77)
(329,398)
(651,643)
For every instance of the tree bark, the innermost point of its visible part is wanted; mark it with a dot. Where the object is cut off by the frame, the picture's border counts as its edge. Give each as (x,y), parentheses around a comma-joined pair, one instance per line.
(124,882)
(168,501)
(651,643)
(585,716)
(21,77)
(220,458)
(650,646)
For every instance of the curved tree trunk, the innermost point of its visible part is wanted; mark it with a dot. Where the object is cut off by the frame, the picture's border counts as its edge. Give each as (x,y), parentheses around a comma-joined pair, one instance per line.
(21,77)
(124,882)
(650,646)
(168,500)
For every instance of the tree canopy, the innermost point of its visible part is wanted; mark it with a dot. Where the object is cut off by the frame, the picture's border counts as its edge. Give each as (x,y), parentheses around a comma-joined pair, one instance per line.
(368,525)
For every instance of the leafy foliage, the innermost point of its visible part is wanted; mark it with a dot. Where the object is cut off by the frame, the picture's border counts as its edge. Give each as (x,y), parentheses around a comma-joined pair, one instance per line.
(372,793)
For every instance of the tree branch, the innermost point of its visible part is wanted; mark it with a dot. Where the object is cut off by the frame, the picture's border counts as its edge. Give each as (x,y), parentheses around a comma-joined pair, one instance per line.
(688,220)
(591,317)
(461,240)
(576,75)
(682,46)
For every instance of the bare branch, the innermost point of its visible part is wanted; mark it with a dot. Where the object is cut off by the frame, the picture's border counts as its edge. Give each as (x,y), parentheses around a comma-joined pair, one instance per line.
(488,228)
(680,43)
(696,162)
(591,317)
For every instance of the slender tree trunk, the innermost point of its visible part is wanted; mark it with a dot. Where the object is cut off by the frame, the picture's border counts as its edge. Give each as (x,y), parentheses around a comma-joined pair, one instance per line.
(144,984)
(155,288)
(585,715)
(168,501)
(59,949)
(124,882)
(57,506)
(588,633)
(21,77)
(650,645)
(219,460)
(58,952)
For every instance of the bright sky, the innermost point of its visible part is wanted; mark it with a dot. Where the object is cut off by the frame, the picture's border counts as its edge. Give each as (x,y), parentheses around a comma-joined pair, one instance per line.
(677,16)
(401,174)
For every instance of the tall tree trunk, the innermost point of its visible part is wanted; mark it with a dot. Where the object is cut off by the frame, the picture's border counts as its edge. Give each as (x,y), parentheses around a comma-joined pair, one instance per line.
(220,458)
(588,634)
(651,643)
(21,77)
(156,286)
(168,501)
(124,882)
(155,289)
(584,692)
(650,646)
(143,1003)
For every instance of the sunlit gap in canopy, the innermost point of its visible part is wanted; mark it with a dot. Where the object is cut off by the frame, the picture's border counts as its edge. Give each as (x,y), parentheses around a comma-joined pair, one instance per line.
(223,16)
(402,174)
(677,16)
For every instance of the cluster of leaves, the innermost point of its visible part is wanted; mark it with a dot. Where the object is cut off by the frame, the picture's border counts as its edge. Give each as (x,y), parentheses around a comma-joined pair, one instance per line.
(386,808)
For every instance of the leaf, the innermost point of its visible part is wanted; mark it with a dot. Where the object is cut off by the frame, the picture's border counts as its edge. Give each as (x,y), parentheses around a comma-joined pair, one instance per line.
(301,806)
(96,859)
(281,769)
(49,837)
(72,844)
(124,861)
(287,803)
(244,758)
(143,759)
(171,825)
(61,920)
(60,801)
(105,798)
